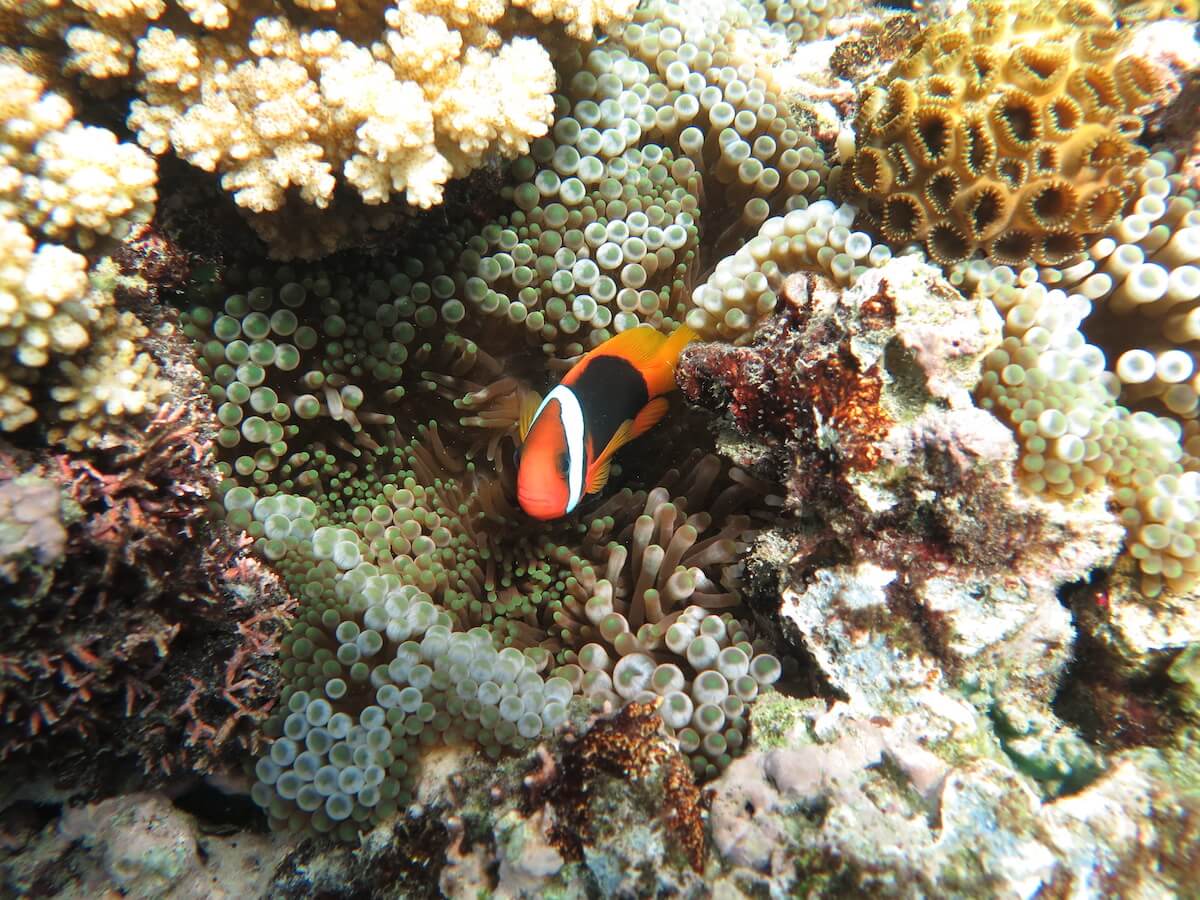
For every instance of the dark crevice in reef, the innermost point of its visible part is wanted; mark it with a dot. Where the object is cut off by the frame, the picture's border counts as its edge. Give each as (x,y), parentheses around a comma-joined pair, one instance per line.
(802,675)
(1111,712)
(24,819)
(217,812)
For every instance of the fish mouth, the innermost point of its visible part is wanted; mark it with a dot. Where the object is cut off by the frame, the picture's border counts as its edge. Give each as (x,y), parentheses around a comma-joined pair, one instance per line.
(537,507)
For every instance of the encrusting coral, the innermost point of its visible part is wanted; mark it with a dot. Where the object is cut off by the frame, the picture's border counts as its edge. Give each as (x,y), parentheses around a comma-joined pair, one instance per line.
(1007,129)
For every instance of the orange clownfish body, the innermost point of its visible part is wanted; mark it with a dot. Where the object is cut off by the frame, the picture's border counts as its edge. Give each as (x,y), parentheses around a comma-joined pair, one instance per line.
(611,396)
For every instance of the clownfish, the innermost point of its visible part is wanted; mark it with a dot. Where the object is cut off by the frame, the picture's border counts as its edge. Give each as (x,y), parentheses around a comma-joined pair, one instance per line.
(611,396)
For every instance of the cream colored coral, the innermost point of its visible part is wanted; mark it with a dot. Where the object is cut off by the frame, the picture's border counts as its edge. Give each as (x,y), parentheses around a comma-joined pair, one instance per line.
(581,17)
(114,378)
(68,180)
(400,122)
(295,110)
(42,291)
(45,308)
(209,13)
(97,53)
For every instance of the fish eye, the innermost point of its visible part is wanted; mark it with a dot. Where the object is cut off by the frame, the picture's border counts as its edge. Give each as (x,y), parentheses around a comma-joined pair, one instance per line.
(562,463)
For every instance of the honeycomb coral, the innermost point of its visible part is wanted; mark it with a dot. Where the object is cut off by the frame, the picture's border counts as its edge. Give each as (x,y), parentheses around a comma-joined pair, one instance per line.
(1143,277)
(1007,130)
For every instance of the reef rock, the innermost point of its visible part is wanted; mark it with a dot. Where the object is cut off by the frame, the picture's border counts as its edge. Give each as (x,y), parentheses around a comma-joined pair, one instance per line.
(870,810)
(920,590)
(137,845)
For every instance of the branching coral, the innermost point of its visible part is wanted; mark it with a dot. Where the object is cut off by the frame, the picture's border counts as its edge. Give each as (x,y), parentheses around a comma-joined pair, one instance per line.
(50,311)
(63,178)
(392,103)
(58,325)
(1007,130)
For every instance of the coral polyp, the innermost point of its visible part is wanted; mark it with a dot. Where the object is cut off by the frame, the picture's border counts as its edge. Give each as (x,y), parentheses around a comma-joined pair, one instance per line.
(1040,116)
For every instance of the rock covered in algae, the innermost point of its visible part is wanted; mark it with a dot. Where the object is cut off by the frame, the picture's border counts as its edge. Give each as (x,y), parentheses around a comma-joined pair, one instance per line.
(135,845)
(866,808)
(922,589)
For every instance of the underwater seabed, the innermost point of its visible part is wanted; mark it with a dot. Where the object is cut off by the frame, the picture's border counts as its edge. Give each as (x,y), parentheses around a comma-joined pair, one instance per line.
(898,600)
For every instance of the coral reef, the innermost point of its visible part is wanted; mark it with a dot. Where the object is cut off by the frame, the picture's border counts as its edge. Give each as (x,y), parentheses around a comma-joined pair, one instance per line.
(62,178)
(629,746)
(140,845)
(289,106)
(1005,129)
(117,647)
(901,602)
(922,587)
(868,832)
(359,512)
(1141,276)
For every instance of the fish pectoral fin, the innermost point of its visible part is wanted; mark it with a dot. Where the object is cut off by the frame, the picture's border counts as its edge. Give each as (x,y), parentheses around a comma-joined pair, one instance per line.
(598,473)
(599,477)
(650,415)
(530,401)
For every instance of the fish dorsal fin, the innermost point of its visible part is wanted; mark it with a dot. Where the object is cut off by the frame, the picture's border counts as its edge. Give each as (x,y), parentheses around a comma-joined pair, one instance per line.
(529,405)
(649,416)
(651,352)
(598,474)
(638,345)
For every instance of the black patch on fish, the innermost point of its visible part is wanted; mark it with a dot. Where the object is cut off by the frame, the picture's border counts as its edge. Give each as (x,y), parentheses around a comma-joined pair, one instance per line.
(610,391)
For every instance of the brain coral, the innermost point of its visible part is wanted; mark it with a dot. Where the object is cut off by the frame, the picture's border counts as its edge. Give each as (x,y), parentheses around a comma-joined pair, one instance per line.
(1008,129)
